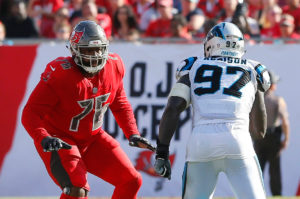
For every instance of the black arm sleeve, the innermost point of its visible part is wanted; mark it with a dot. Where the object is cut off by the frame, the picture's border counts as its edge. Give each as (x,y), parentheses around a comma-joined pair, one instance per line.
(170,118)
(258,117)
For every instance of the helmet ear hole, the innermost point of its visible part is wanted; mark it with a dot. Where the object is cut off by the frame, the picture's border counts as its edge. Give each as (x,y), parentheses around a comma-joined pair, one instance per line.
(207,51)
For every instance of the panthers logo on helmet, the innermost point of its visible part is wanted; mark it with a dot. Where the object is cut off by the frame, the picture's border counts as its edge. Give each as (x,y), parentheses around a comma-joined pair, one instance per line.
(76,36)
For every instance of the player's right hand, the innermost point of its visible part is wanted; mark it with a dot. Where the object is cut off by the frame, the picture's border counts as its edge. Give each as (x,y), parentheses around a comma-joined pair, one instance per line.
(163,167)
(141,142)
(50,144)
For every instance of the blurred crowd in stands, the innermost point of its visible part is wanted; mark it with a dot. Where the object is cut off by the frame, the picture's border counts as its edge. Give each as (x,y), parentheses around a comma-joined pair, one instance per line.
(131,20)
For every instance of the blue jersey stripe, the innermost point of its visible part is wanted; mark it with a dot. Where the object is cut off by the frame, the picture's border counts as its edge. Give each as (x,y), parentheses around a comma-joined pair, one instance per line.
(184,179)
(189,63)
(259,69)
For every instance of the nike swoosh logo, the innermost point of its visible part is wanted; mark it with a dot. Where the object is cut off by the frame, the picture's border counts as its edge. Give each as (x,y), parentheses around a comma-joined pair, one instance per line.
(53,69)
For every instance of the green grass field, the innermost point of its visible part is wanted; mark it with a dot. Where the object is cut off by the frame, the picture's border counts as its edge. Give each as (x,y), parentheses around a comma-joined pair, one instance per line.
(139,198)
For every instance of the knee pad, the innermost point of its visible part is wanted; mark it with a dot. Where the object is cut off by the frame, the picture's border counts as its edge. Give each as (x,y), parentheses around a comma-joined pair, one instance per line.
(136,182)
(139,180)
(74,192)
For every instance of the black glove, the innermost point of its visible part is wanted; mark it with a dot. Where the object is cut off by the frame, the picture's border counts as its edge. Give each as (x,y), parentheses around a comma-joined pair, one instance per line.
(50,144)
(141,142)
(162,163)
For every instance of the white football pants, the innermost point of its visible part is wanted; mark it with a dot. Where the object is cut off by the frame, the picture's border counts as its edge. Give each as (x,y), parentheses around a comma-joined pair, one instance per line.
(244,175)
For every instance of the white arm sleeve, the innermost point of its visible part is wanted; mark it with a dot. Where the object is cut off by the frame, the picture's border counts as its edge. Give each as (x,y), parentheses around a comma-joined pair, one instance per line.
(183,91)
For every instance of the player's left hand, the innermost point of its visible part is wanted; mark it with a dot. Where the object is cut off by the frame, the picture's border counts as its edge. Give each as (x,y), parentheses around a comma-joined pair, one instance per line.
(163,167)
(162,163)
(141,142)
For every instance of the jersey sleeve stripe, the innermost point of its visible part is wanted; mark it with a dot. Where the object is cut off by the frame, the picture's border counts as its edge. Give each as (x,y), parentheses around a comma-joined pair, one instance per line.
(189,63)
(260,69)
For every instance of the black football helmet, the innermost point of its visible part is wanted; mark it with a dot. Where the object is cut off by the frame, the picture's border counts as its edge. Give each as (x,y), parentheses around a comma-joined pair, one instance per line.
(88,34)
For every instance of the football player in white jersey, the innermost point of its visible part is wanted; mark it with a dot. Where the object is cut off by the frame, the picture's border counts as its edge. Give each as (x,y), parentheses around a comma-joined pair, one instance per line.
(226,94)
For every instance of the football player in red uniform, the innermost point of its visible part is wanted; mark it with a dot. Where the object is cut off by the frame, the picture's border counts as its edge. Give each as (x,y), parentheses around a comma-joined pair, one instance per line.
(64,117)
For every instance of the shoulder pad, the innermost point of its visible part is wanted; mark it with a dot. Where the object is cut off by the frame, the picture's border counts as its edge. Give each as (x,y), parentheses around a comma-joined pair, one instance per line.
(55,69)
(113,56)
(64,63)
(185,66)
(118,62)
(263,78)
(253,62)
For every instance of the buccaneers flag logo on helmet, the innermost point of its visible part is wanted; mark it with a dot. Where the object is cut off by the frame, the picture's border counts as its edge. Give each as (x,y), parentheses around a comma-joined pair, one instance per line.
(76,36)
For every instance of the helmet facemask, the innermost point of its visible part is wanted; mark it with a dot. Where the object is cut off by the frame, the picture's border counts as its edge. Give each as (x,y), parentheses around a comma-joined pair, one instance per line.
(91,58)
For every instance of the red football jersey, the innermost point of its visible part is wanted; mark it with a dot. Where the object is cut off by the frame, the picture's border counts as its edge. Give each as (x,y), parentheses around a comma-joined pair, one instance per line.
(159,28)
(46,23)
(65,103)
(104,21)
(294,12)
(49,6)
(211,11)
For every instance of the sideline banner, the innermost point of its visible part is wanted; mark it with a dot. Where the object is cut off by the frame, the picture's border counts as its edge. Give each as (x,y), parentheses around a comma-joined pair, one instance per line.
(150,74)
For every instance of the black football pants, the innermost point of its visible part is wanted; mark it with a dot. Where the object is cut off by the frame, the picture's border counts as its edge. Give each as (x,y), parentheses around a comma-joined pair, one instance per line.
(267,151)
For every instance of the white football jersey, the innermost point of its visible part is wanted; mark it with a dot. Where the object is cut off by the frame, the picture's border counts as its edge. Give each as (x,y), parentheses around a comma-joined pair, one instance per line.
(222,94)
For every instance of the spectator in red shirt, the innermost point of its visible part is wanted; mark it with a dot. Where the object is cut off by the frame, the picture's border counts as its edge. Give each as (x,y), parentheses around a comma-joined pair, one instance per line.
(43,11)
(111,5)
(161,27)
(90,12)
(211,8)
(287,27)
(254,8)
(267,5)
(293,8)
(148,16)
(270,27)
